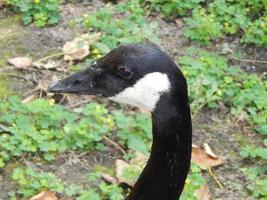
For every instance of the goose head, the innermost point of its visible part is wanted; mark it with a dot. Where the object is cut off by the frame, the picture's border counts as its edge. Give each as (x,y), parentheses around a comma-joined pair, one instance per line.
(136,74)
(142,75)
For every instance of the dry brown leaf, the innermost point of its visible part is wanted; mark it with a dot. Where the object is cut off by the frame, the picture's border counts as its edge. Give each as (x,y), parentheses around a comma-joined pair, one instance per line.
(21,62)
(205,159)
(179,23)
(79,47)
(140,159)
(203,193)
(109,178)
(209,151)
(46,195)
(121,165)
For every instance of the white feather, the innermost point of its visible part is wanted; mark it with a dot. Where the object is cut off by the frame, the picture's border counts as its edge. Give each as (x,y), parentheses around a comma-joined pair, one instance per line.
(146,92)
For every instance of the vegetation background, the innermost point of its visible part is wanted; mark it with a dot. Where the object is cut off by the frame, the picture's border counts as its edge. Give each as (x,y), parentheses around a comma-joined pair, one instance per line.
(77,147)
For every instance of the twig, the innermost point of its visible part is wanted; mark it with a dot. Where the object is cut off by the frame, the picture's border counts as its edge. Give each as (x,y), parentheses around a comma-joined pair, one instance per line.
(215,178)
(50,56)
(31,92)
(15,75)
(78,104)
(249,60)
(115,144)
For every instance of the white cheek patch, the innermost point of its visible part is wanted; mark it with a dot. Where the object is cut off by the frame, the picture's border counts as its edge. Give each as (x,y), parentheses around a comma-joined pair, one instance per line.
(146,92)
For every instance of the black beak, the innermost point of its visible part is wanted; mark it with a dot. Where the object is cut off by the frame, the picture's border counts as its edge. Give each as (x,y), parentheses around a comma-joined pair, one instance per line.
(78,83)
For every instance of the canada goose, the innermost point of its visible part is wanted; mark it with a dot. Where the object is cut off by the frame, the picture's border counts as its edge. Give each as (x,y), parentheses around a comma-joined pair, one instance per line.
(142,75)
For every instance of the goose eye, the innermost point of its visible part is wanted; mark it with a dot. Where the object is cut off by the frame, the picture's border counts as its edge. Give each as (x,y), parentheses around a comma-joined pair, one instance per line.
(93,64)
(124,72)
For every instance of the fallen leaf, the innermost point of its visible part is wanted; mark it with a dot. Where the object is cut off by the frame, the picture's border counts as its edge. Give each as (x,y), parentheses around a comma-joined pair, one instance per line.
(51,64)
(209,151)
(79,47)
(21,62)
(203,193)
(46,195)
(109,178)
(121,165)
(179,23)
(139,159)
(205,159)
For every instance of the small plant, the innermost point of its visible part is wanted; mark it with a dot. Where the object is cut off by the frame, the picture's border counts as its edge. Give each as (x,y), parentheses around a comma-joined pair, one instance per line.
(30,128)
(203,27)
(101,190)
(210,20)
(193,183)
(123,23)
(31,182)
(41,12)
(211,80)
(134,131)
(258,181)
(256,32)
(175,7)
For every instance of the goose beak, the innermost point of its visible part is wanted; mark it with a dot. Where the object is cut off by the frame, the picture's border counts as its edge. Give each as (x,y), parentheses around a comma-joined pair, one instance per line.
(78,83)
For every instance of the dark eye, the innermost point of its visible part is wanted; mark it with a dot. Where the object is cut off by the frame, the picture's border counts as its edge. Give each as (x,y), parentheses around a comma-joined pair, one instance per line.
(124,72)
(93,64)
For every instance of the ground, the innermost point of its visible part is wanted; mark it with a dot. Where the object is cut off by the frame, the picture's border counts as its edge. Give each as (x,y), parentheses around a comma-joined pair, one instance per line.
(216,128)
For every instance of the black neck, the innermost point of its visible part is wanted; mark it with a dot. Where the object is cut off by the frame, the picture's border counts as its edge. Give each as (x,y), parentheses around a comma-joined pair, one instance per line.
(164,176)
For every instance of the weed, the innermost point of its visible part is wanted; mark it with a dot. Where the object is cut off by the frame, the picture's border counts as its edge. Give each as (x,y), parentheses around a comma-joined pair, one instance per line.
(175,7)
(30,128)
(32,182)
(41,12)
(211,80)
(203,27)
(210,20)
(120,24)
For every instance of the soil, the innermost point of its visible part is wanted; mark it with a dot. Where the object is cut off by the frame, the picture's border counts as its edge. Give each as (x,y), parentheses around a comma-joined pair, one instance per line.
(224,135)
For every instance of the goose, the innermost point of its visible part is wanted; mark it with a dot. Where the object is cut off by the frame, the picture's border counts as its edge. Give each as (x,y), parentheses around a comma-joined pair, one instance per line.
(142,75)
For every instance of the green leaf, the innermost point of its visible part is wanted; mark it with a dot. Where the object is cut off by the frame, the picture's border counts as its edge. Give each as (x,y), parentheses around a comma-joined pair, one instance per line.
(262,129)
(102,47)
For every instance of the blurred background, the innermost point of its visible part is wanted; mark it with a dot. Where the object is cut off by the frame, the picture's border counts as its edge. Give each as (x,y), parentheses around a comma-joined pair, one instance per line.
(78,147)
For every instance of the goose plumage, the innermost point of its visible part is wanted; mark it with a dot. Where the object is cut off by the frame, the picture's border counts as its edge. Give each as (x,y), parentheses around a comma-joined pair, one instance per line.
(144,76)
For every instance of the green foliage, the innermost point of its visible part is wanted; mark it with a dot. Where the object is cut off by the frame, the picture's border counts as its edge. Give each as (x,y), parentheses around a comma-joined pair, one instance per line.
(134,131)
(258,181)
(32,182)
(254,152)
(194,182)
(211,81)
(256,32)
(123,23)
(175,7)
(41,12)
(30,128)
(102,190)
(210,20)
(202,27)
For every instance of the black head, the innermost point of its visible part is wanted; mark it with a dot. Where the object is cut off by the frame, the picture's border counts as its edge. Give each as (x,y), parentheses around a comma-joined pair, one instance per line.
(136,74)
